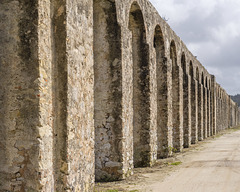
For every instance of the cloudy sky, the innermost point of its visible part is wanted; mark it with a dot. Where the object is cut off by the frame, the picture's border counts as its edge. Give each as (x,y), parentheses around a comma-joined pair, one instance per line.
(211,31)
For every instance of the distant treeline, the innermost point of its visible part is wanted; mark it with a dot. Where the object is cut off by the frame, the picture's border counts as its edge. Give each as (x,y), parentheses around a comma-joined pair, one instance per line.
(236,98)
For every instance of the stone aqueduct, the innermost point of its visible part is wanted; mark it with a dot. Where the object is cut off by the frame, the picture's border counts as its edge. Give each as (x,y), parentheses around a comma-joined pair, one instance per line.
(90,89)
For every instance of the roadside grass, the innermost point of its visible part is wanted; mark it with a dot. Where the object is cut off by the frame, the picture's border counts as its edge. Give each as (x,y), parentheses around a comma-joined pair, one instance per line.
(176,163)
(223,132)
(235,128)
(115,190)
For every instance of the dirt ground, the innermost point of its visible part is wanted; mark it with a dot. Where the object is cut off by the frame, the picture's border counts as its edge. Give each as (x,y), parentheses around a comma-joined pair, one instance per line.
(212,165)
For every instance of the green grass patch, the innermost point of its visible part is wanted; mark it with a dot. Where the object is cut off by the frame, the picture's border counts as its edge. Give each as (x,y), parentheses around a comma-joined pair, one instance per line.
(176,163)
(235,128)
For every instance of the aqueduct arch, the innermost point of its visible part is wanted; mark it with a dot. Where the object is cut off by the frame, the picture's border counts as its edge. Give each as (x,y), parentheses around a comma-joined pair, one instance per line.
(186,103)
(176,99)
(162,115)
(141,102)
(107,89)
(194,104)
(200,107)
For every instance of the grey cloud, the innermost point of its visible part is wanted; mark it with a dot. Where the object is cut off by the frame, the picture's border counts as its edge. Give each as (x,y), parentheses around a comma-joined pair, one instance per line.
(217,50)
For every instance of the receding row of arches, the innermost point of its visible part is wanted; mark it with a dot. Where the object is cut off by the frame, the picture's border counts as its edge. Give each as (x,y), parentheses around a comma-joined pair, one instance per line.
(143,87)
(185,111)
(226,109)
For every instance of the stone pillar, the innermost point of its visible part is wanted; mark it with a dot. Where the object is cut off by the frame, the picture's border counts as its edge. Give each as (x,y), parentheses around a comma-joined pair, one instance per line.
(210,112)
(186,110)
(209,132)
(73,95)
(232,114)
(238,116)
(194,111)
(165,109)
(221,114)
(26,137)
(169,109)
(204,112)
(200,112)
(47,96)
(225,115)
(213,104)
(164,141)
(216,120)
(107,92)
(227,111)
(218,124)
(177,93)
(141,88)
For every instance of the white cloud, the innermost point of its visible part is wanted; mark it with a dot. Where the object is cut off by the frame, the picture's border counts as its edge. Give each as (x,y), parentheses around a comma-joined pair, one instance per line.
(224,33)
(170,9)
(214,70)
(205,7)
(204,48)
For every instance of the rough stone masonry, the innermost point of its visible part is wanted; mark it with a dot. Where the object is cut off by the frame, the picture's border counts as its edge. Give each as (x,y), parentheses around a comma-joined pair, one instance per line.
(91,89)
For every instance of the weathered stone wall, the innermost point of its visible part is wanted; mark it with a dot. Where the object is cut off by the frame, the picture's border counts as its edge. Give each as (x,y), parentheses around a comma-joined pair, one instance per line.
(46,66)
(77,165)
(108,91)
(26,96)
(91,89)
(73,78)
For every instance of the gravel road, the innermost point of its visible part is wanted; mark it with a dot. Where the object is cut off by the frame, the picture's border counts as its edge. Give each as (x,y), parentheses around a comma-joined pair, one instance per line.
(210,166)
(216,168)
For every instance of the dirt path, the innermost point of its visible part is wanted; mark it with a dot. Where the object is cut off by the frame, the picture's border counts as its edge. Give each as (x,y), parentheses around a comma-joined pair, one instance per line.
(210,166)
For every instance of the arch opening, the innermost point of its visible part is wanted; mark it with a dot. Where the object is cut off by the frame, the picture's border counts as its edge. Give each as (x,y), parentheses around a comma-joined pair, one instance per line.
(177,129)
(207,106)
(197,75)
(162,103)
(202,79)
(186,104)
(206,83)
(141,88)
(194,105)
(204,108)
(200,106)
(191,69)
(107,91)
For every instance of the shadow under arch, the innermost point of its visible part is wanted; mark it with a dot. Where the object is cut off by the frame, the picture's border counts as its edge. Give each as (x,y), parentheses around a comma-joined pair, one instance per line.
(204,107)
(177,127)
(194,105)
(208,116)
(107,91)
(200,105)
(141,88)
(163,142)
(186,104)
